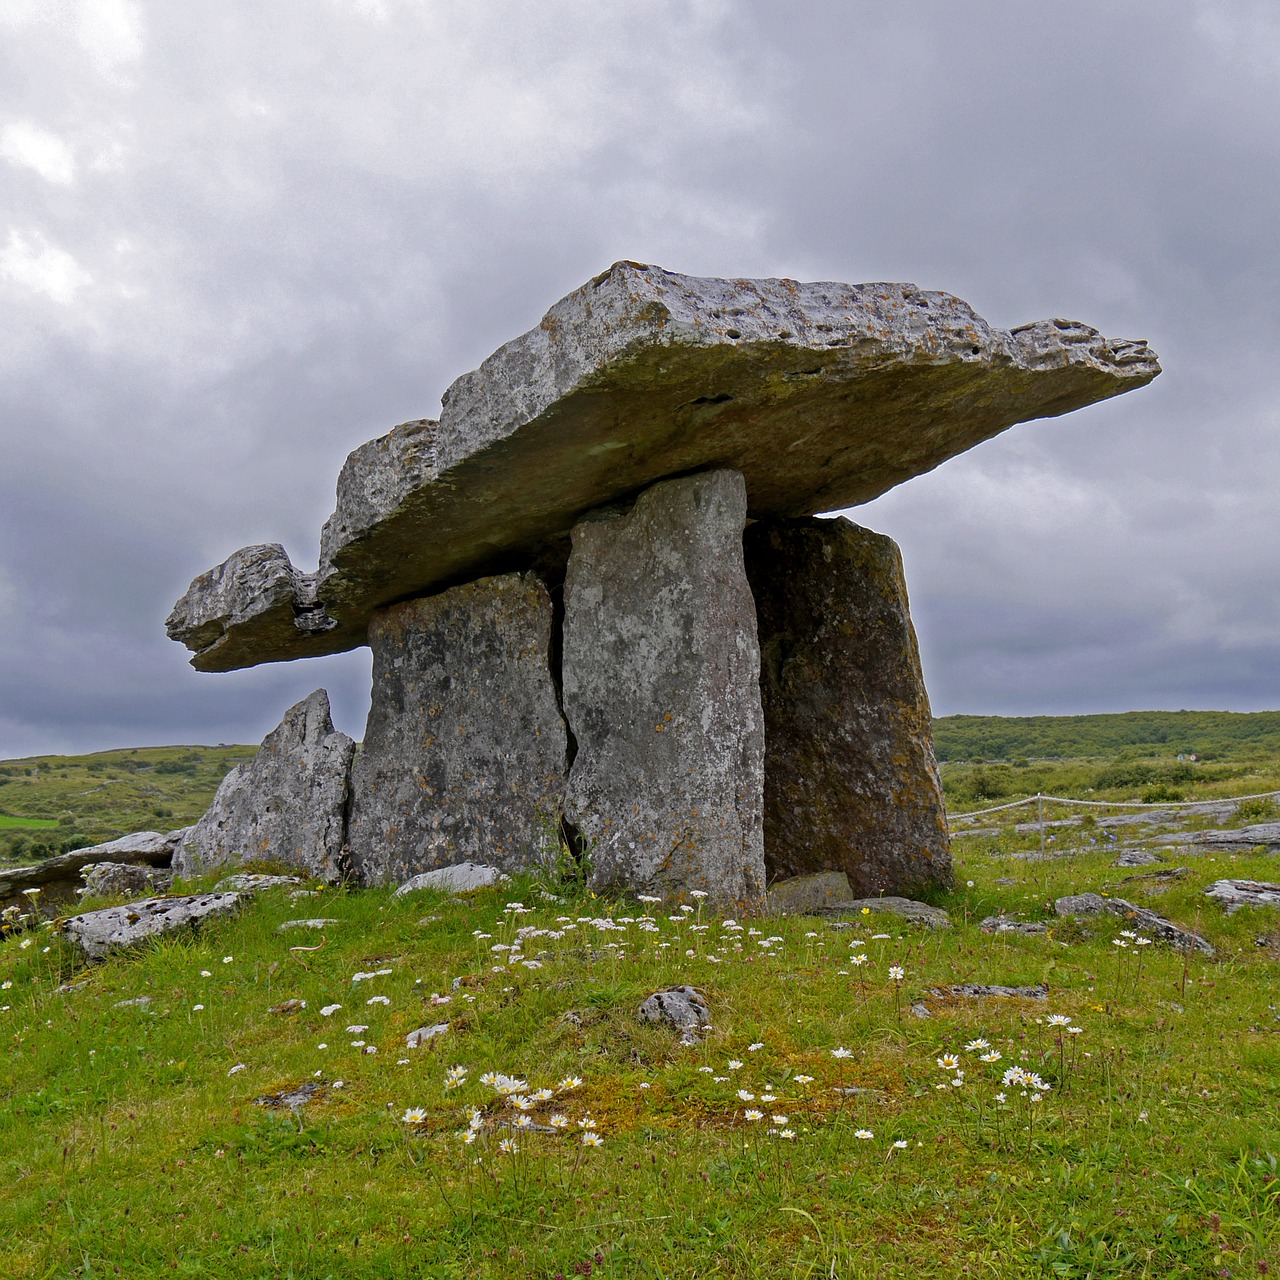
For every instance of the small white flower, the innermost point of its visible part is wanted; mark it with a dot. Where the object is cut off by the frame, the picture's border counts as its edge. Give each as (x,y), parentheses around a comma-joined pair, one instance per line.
(329,1010)
(569,1082)
(356,1028)
(734,1064)
(993,1056)
(592,1140)
(751,1048)
(768,1097)
(900,1145)
(778,1119)
(746,1096)
(896,972)
(413,1115)
(357,1044)
(787,1133)
(322,1045)
(586,1123)
(195,1008)
(865,1134)
(1058,1020)
(238,1067)
(378,1000)
(974,1045)
(204,973)
(753,1114)
(227,959)
(803,1079)
(842,1053)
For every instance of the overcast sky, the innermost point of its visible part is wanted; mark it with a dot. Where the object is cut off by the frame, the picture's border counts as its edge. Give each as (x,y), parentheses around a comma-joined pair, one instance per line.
(239,239)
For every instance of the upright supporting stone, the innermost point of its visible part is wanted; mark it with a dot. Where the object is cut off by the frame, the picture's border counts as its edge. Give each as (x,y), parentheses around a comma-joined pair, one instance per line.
(287,805)
(464,756)
(851,782)
(661,690)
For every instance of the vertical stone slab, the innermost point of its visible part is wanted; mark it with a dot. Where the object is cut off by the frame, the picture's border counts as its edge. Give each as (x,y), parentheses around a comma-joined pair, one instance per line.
(287,805)
(851,782)
(464,756)
(661,690)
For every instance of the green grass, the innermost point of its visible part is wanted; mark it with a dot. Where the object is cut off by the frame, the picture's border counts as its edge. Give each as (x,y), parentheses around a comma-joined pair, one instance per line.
(129,1146)
(98,797)
(9,820)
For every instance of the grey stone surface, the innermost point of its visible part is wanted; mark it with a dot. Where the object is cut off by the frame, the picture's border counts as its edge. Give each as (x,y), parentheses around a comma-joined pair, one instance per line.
(984,990)
(100,932)
(823,395)
(1137,918)
(251,882)
(1241,840)
(288,804)
(683,1008)
(1138,858)
(904,908)
(662,693)
(121,879)
(424,1035)
(1234,894)
(808,895)
(317,922)
(462,878)
(61,874)
(1008,924)
(465,753)
(851,781)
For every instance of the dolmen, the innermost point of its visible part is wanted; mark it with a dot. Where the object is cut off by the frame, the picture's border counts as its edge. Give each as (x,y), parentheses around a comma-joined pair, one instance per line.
(606,621)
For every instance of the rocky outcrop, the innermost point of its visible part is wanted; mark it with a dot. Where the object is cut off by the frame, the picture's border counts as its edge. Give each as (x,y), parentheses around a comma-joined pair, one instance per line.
(286,805)
(684,1008)
(851,781)
(98,933)
(463,878)
(661,691)
(1137,918)
(1241,840)
(822,395)
(122,879)
(907,911)
(60,875)
(1231,895)
(465,753)
(807,895)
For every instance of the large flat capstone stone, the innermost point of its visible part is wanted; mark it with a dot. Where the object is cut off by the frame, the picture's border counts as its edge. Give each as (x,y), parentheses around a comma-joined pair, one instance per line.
(98,933)
(465,753)
(822,395)
(662,692)
(851,782)
(288,804)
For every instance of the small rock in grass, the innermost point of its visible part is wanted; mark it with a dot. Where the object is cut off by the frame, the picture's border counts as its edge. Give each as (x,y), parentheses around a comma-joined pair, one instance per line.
(684,1008)
(1160,929)
(245,882)
(808,895)
(911,911)
(319,922)
(1137,858)
(138,1001)
(416,1039)
(982,990)
(1234,894)
(1009,924)
(122,879)
(460,878)
(291,1098)
(288,1006)
(920,1010)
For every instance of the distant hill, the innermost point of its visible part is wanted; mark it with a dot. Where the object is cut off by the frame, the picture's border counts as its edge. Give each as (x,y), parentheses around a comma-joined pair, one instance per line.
(1211,735)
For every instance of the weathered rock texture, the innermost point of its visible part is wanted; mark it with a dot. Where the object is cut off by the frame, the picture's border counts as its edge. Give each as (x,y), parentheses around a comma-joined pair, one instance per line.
(851,781)
(823,395)
(100,932)
(909,911)
(59,876)
(1242,839)
(807,895)
(684,1008)
(1231,895)
(661,689)
(464,877)
(287,804)
(122,879)
(465,753)
(1160,929)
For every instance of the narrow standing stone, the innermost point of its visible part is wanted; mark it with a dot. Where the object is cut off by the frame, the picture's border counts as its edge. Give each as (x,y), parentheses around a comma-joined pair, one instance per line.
(464,756)
(662,694)
(851,781)
(287,805)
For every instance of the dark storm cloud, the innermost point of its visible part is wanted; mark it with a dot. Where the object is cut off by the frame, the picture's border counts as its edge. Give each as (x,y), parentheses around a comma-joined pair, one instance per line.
(234,244)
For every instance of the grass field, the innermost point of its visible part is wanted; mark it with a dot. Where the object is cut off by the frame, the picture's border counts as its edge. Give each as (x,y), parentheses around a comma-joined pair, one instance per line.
(7,822)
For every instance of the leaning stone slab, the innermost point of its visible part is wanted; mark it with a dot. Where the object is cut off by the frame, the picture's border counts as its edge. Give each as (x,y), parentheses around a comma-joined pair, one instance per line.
(288,804)
(100,932)
(907,910)
(851,781)
(142,848)
(661,688)
(823,396)
(465,753)
(462,878)
(808,895)
(1234,894)
(1162,930)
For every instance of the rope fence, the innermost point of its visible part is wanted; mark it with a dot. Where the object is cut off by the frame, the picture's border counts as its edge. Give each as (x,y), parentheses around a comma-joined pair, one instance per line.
(1039,799)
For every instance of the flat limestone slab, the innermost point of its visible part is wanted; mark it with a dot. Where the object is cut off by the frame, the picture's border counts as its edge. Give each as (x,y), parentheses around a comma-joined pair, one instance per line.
(100,932)
(823,396)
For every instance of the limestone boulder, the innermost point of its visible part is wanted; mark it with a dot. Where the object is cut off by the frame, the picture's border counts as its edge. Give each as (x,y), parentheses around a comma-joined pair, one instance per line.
(465,877)
(98,933)
(822,395)
(661,690)
(288,804)
(465,753)
(122,879)
(851,780)
(1231,895)
(1137,918)
(906,910)
(807,895)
